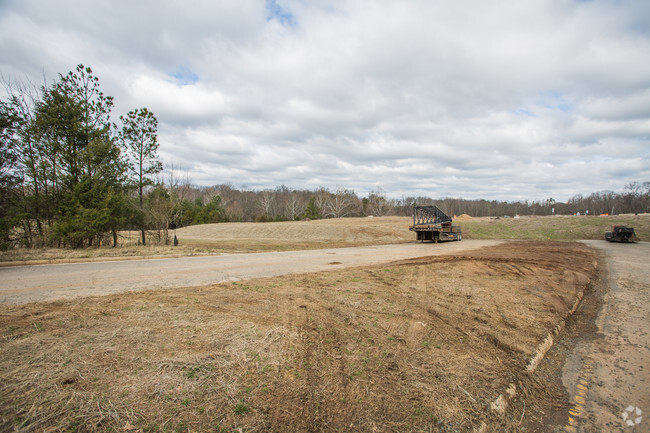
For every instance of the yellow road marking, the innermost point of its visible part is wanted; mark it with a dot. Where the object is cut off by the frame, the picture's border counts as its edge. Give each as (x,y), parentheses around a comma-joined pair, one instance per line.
(579,399)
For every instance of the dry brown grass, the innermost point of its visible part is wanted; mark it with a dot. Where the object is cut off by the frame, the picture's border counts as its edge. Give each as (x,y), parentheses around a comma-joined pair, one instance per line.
(329,233)
(236,238)
(419,345)
(342,232)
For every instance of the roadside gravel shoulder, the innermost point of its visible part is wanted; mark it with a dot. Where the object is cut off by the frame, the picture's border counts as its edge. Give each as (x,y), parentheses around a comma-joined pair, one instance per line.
(59,281)
(607,372)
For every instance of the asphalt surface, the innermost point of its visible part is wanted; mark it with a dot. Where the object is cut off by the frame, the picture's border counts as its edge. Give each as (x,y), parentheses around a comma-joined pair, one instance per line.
(23,284)
(608,375)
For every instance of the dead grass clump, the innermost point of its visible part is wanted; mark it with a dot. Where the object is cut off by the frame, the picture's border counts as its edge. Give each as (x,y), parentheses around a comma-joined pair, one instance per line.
(420,345)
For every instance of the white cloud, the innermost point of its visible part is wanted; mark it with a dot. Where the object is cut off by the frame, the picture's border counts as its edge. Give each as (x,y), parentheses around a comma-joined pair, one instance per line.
(180,103)
(499,100)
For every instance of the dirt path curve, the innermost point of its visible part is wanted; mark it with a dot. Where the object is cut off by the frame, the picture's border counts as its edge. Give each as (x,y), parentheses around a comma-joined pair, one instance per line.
(610,375)
(19,285)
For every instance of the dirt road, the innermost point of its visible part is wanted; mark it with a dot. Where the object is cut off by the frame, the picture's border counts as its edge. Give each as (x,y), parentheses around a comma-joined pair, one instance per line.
(608,376)
(49,282)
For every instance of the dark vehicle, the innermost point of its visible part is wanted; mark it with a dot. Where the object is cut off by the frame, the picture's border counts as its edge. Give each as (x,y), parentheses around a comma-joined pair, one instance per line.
(432,224)
(621,234)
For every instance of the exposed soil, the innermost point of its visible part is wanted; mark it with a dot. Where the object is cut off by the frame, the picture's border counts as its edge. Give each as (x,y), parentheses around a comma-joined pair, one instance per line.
(546,408)
(424,344)
(609,372)
(598,367)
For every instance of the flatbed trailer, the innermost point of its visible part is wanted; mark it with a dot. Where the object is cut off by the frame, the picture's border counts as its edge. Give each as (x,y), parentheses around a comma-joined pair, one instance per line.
(432,224)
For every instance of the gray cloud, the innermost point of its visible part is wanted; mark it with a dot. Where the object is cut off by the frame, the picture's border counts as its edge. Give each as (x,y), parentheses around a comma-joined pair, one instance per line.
(502,100)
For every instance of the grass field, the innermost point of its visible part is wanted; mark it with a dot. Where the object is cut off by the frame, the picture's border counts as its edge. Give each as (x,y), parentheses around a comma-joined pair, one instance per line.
(333,233)
(556,228)
(423,345)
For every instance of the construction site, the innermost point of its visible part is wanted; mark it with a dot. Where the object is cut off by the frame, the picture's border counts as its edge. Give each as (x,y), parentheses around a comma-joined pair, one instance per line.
(467,336)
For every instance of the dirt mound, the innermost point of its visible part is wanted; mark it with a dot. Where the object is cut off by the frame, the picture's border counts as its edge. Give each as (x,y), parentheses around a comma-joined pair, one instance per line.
(463,217)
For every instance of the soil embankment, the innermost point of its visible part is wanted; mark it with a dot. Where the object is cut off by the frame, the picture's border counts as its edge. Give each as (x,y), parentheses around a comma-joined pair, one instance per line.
(420,344)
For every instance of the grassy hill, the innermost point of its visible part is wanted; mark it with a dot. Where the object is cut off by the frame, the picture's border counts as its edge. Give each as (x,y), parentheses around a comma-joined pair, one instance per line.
(557,228)
(334,233)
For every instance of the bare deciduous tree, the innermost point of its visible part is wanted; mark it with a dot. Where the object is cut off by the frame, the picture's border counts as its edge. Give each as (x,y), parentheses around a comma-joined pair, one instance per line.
(321,196)
(377,203)
(341,203)
(294,205)
(267,203)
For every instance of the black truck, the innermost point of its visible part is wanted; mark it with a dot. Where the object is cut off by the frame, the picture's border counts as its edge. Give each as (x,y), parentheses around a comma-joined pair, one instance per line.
(621,234)
(432,224)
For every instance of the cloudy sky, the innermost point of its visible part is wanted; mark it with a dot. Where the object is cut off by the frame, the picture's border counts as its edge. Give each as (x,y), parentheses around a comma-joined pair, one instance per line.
(506,100)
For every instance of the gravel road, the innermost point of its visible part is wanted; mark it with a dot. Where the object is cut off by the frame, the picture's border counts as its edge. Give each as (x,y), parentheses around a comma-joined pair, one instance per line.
(23,284)
(608,376)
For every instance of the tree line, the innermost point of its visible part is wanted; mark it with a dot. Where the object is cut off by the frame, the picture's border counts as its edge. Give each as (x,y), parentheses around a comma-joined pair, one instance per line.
(71,177)
(287,204)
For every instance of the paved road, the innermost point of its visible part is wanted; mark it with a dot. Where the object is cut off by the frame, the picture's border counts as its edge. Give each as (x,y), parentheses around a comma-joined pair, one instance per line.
(611,373)
(48,282)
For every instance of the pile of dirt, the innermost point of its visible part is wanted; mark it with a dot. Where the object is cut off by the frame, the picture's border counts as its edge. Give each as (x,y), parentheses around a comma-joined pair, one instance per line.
(463,217)
(420,345)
